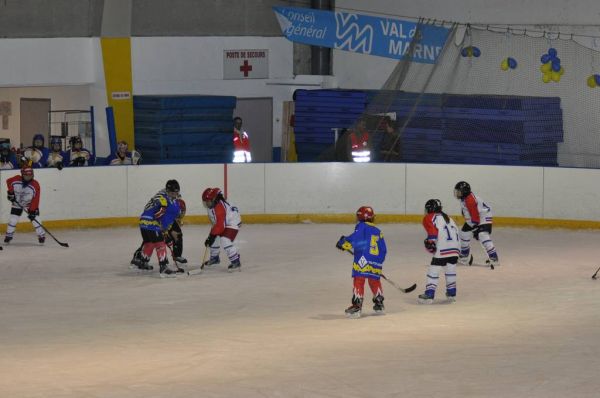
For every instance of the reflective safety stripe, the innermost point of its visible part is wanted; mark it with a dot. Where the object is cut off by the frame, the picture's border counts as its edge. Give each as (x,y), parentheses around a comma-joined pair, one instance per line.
(242,157)
(361,156)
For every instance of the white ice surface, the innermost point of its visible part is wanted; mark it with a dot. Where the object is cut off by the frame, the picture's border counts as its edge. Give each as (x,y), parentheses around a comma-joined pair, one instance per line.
(77,322)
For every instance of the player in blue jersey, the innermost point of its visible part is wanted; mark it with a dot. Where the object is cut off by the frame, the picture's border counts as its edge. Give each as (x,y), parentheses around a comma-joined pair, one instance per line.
(37,152)
(156,219)
(369,249)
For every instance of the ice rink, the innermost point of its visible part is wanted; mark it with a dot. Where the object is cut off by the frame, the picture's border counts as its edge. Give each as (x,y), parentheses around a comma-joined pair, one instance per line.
(77,322)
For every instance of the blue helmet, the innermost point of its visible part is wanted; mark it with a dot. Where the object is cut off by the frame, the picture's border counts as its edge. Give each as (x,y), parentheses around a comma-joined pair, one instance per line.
(38,137)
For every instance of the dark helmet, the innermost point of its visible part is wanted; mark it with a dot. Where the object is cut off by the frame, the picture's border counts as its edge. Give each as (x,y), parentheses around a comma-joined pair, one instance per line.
(463,188)
(172,186)
(433,206)
(38,137)
(365,213)
(75,140)
(55,141)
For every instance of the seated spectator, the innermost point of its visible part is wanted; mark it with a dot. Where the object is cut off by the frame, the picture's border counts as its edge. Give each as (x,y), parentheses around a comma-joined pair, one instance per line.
(78,156)
(391,145)
(37,152)
(122,156)
(56,157)
(8,160)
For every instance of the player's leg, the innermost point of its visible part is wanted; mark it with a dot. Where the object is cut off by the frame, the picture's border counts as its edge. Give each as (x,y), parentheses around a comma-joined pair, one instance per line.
(41,234)
(358,292)
(465,235)
(177,236)
(215,249)
(227,240)
(13,219)
(377,290)
(451,278)
(485,238)
(433,277)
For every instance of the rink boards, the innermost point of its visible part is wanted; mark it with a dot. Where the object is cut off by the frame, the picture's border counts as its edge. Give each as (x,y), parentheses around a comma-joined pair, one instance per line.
(317,192)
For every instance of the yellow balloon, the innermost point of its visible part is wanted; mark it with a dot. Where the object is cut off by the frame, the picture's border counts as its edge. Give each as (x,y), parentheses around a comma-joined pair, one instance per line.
(591,82)
(547,67)
(546,77)
(555,76)
(504,64)
(561,71)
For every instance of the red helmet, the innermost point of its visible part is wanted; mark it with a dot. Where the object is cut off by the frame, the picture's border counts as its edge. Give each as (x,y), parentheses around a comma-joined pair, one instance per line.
(210,195)
(365,213)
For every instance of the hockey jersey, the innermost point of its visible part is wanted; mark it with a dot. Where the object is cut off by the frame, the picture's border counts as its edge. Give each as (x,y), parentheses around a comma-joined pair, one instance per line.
(369,250)
(160,212)
(444,234)
(38,156)
(83,157)
(475,211)
(8,162)
(116,160)
(54,158)
(222,216)
(27,193)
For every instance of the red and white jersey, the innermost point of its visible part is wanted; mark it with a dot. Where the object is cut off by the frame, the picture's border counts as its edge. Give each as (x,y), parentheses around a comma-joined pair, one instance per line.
(475,211)
(445,234)
(241,147)
(222,216)
(27,194)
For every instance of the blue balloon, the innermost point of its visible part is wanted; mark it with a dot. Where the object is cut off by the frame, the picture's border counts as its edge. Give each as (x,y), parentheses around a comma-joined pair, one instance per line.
(597,79)
(556,65)
(512,63)
(476,52)
(545,58)
(552,52)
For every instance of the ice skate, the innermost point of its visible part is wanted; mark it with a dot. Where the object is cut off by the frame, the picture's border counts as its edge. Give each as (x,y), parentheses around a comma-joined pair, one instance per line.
(425,298)
(467,260)
(212,261)
(41,239)
(451,298)
(180,260)
(165,271)
(492,262)
(378,306)
(235,266)
(7,239)
(355,309)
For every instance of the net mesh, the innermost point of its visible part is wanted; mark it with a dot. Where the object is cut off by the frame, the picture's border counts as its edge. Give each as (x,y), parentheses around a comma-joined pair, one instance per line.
(488,99)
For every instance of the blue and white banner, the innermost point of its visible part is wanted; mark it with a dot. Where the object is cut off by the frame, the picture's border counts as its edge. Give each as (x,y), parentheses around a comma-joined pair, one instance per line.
(358,33)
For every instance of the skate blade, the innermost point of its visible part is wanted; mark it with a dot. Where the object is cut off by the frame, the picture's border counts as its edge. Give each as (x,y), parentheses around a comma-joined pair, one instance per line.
(450,299)
(230,270)
(165,276)
(380,312)
(425,301)
(353,316)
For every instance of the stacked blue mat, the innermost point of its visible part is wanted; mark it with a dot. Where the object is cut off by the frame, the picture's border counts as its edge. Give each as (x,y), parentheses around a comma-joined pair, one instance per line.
(317,112)
(444,128)
(184,129)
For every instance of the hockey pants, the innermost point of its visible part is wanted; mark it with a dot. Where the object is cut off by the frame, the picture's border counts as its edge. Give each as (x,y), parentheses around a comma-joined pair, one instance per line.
(153,240)
(484,237)
(433,276)
(359,287)
(15,214)
(226,239)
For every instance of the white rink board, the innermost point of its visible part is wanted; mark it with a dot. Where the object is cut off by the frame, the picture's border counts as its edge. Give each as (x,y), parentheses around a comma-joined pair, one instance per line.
(321,188)
(572,194)
(334,188)
(509,191)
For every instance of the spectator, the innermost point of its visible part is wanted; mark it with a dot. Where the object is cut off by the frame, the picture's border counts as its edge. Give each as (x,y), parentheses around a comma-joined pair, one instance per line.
(241,143)
(37,153)
(78,155)
(391,145)
(360,143)
(57,156)
(122,156)
(8,160)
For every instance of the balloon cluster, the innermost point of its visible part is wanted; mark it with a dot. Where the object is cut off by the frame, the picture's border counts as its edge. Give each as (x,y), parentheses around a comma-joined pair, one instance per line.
(470,51)
(551,68)
(508,63)
(593,81)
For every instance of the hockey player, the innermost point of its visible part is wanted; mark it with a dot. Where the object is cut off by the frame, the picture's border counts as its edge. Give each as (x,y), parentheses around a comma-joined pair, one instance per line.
(122,156)
(369,249)
(478,224)
(158,215)
(226,222)
(37,152)
(442,242)
(24,194)
(78,155)
(56,156)
(8,160)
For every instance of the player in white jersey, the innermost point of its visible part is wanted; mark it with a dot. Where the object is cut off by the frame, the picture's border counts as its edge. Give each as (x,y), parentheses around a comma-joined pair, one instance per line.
(442,241)
(478,224)
(23,191)
(226,222)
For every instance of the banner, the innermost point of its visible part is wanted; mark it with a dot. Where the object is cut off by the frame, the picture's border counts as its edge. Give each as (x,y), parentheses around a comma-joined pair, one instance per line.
(365,34)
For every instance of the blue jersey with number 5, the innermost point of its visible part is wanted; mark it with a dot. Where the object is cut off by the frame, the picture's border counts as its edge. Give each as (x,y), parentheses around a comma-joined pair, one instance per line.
(369,250)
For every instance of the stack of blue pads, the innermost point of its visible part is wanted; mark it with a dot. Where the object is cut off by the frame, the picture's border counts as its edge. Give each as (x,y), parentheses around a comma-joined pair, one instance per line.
(184,129)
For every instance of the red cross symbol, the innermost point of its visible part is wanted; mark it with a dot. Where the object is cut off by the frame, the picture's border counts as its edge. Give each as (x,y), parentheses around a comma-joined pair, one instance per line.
(246,68)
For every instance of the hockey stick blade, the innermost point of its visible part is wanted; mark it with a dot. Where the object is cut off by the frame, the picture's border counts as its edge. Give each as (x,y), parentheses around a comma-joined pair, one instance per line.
(403,290)
(596,273)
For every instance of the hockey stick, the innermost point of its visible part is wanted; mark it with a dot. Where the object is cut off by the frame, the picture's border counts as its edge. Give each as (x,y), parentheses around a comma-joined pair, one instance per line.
(595,273)
(63,244)
(403,290)
(201,269)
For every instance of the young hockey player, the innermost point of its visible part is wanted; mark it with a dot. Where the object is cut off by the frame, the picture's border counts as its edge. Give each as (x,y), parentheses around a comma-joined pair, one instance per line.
(369,249)
(478,224)
(8,160)
(78,155)
(37,152)
(158,215)
(24,194)
(226,222)
(442,242)
(122,156)
(56,156)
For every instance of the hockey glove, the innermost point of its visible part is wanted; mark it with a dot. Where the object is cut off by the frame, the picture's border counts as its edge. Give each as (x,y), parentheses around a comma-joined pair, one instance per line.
(430,245)
(210,240)
(476,232)
(11,196)
(33,214)
(343,244)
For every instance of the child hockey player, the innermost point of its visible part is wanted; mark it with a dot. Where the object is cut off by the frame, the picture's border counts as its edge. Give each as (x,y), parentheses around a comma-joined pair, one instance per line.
(24,194)
(442,242)
(369,249)
(478,224)
(37,152)
(158,215)
(57,156)
(226,222)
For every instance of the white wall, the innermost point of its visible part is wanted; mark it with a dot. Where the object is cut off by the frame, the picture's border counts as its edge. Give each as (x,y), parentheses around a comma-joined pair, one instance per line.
(324,188)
